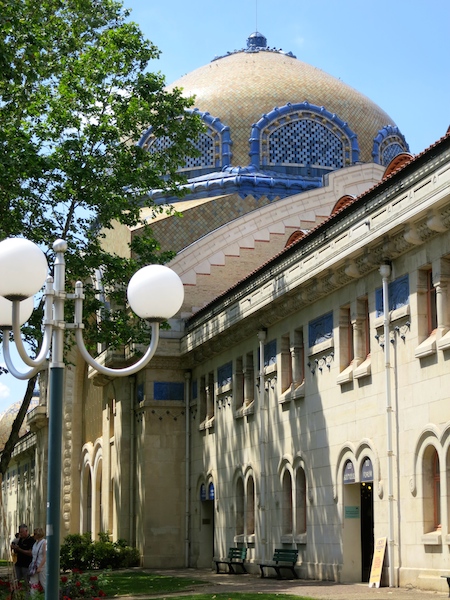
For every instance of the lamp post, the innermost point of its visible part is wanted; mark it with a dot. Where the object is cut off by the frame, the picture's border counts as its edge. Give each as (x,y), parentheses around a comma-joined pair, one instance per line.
(155,293)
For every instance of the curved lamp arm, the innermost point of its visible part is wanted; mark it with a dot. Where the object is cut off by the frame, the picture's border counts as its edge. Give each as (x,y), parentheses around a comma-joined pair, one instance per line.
(78,324)
(40,359)
(119,372)
(9,364)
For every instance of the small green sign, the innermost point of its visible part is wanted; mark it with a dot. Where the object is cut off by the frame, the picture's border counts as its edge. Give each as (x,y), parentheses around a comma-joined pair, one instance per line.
(352,512)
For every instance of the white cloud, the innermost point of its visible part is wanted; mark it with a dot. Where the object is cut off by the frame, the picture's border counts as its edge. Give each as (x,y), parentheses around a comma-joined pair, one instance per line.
(5,392)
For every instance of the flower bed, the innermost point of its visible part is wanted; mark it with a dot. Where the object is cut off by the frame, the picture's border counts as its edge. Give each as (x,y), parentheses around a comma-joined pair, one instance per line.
(73,584)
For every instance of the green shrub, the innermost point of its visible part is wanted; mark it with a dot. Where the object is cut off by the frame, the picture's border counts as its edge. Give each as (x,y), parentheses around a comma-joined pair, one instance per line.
(105,556)
(129,557)
(78,551)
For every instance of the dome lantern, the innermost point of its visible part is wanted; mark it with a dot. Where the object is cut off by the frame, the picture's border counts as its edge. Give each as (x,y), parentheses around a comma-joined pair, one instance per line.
(256,40)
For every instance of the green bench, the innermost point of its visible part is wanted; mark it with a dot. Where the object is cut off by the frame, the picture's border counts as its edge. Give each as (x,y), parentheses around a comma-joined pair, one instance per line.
(236,558)
(282,559)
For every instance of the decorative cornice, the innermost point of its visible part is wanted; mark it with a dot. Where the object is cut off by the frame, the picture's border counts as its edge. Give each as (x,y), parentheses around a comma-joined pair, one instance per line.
(245,181)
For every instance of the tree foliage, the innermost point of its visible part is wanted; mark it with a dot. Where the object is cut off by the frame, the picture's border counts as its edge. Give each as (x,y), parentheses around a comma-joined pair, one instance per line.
(75,97)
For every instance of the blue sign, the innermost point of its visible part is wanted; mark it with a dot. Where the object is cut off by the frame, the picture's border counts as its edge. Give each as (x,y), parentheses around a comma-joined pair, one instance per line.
(202,492)
(349,472)
(211,492)
(367,470)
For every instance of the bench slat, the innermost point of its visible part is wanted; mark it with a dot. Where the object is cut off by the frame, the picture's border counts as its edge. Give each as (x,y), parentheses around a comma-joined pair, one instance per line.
(236,558)
(282,555)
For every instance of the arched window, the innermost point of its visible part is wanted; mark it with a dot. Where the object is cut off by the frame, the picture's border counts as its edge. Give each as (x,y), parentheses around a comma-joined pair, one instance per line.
(388,144)
(431,490)
(240,504)
(436,491)
(87,500)
(287,519)
(98,524)
(250,512)
(300,501)
(213,146)
(303,139)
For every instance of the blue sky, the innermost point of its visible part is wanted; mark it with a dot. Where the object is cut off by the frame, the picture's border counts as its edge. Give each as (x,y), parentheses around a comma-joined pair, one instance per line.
(395,52)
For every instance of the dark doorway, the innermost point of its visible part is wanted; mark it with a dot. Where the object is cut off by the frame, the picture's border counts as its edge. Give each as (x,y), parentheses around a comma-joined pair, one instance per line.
(367,537)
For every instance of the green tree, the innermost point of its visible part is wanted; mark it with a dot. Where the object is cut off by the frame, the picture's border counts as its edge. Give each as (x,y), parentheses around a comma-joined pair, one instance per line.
(75,98)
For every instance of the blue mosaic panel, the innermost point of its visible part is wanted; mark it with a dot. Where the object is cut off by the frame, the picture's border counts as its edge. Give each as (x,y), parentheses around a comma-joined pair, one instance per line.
(390,151)
(168,390)
(306,142)
(224,374)
(321,329)
(398,295)
(270,353)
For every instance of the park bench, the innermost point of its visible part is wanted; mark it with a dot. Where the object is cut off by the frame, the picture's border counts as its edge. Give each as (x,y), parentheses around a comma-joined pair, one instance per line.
(236,558)
(282,559)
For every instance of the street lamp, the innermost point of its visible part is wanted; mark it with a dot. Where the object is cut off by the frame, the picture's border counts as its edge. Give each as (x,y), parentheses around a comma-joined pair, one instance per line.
(155,293)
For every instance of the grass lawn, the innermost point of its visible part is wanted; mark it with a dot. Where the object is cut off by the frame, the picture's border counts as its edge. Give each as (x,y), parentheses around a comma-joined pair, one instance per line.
(134,583)
(121,583)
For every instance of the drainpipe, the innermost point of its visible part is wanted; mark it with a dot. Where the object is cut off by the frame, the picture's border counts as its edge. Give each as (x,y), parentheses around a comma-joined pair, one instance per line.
(262,441)
(385,272)
(187,388)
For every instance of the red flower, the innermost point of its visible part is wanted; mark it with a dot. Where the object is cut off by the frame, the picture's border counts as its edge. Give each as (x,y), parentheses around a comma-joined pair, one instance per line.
(64,579)
(77,583)
(93,578)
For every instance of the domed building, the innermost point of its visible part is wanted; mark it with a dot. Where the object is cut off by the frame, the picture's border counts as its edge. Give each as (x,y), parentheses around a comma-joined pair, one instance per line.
(8,416)
(298,398)
(274,127)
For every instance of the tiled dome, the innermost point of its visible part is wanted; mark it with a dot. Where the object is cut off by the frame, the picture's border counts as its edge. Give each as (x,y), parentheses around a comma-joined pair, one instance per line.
(7,419)
(244,85)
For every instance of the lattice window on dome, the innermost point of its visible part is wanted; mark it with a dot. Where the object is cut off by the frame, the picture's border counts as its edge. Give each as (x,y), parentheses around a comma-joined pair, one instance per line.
(307,142)
(390,148)
(206,144)
(387,144)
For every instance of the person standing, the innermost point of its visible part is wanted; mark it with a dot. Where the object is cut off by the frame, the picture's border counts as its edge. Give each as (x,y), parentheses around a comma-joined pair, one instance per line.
(23,550)
(36,569)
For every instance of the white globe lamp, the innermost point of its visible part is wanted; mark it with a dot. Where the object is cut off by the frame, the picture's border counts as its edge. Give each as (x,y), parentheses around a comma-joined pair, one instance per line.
(155,293)
(23,268)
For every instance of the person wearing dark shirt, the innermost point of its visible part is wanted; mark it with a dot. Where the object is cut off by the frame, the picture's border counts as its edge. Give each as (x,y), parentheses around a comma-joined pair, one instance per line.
(24,555)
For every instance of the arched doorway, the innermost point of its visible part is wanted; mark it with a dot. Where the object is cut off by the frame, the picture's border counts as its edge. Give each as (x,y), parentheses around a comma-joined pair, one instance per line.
(367,521)
(206,551)
(358,522)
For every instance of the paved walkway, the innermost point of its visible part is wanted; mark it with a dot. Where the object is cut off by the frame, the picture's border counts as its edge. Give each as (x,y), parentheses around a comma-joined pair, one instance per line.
(319,590)
(323,590)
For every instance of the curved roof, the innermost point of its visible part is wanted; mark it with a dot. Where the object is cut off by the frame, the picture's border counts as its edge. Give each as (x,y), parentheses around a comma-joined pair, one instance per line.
(7,419)
(242,86)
